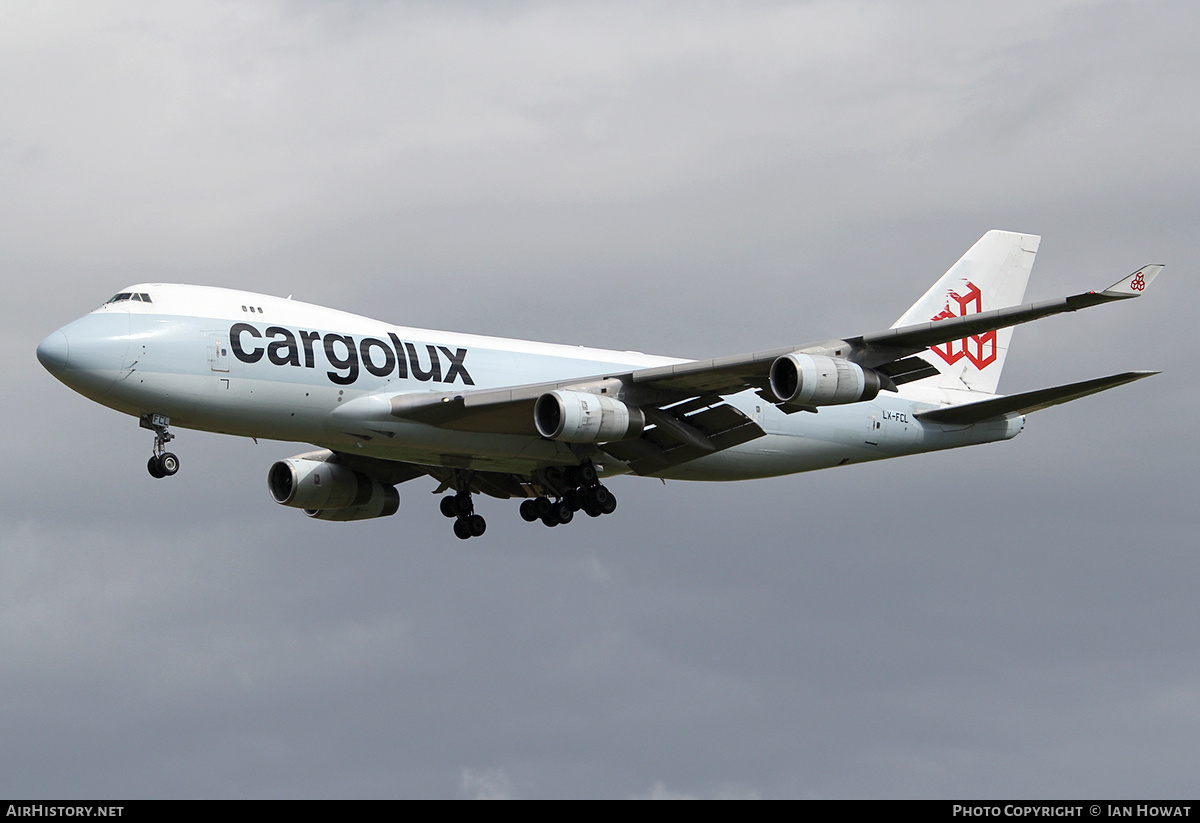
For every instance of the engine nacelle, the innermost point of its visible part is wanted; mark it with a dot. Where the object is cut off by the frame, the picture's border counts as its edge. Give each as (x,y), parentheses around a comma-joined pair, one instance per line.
(582,417)
(799,379)
(330,491)
(384,502)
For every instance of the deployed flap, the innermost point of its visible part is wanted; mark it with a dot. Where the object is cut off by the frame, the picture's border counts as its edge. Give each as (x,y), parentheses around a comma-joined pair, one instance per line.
(687,438)
(1027,402)
(907,370)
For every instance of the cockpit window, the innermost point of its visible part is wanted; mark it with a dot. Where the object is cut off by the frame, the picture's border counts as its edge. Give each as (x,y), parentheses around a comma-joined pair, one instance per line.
(138,296)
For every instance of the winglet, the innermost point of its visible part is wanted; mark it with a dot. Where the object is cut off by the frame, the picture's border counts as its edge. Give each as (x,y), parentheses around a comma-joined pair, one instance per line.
(1134,284)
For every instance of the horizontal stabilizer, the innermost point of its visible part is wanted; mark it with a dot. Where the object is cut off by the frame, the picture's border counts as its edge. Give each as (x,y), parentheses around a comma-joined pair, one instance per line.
(1027,402)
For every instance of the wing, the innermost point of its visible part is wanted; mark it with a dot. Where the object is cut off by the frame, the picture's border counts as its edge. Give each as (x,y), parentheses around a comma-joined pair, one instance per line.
(880,350)
(683,404)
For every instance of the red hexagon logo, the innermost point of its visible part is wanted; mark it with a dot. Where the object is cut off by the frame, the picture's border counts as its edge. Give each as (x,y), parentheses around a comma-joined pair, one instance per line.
(980,349)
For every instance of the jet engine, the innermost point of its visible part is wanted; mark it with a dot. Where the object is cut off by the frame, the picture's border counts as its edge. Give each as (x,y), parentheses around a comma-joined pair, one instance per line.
(329,491)
(799,379)
(582,417)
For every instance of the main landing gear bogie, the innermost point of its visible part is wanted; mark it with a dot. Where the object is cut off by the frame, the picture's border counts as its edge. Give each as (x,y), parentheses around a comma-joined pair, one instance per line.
(565,491)
(467,524)
(581,491)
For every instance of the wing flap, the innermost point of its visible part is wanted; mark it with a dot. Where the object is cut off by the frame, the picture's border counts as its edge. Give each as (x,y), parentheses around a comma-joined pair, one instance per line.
(907,369)
(722,427)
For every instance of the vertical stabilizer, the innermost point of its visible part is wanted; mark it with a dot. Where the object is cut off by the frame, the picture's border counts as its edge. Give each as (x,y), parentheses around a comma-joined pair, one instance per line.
(991,275)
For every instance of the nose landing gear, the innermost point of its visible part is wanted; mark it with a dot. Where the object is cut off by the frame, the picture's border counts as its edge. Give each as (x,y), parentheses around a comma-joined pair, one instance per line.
(162,463)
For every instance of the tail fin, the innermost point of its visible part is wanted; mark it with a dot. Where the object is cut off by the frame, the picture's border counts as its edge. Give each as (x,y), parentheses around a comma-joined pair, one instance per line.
(991,275)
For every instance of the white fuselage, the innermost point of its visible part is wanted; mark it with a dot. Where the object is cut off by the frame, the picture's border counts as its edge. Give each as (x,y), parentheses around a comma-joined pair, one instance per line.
(245,364)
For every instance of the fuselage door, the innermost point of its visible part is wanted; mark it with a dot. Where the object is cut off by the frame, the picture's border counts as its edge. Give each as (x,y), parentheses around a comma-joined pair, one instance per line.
(874,428)
(218,353)
(890,427)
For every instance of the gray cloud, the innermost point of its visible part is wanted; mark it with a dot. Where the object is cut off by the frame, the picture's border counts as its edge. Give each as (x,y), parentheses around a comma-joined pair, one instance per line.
(695,180)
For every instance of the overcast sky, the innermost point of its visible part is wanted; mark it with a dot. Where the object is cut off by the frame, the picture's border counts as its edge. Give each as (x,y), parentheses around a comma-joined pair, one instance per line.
(692,179)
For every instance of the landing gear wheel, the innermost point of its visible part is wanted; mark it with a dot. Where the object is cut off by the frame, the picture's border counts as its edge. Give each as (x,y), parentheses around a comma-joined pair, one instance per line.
(152,467)
(460,530)
(598,496)
(587,474)
(447,506)
(563,512)
(168,464)
(476,525)
(529,510)
(610,505)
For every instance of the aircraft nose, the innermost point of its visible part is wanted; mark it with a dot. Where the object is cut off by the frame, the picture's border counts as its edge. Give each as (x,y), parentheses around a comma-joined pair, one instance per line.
(54,351)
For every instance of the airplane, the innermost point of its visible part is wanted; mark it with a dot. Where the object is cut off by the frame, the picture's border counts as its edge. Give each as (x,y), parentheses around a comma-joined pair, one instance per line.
(549,423)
